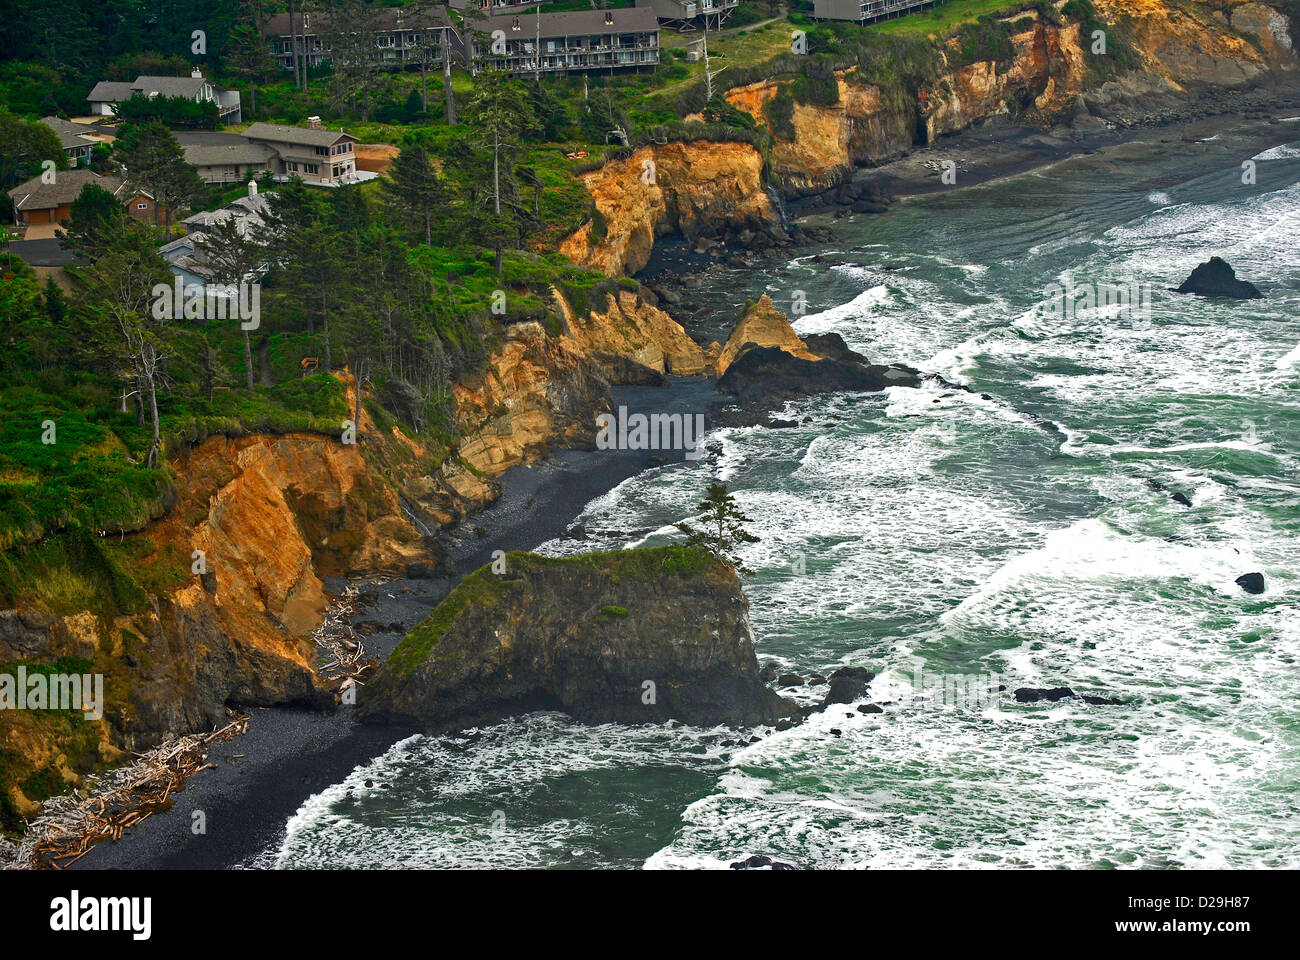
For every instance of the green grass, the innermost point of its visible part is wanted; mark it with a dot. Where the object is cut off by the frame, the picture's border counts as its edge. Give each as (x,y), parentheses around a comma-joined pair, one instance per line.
(941,21)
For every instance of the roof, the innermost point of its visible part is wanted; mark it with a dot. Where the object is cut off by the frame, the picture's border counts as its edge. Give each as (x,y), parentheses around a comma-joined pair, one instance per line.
(571,23)
(245,209)
(115,91)
(303,136)
(217,155)
(187,87)
(72,134)
(67,186)
(308,23)
(110,91)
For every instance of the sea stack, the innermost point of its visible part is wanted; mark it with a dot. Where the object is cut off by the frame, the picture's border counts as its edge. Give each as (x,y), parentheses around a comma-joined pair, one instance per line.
(627,636)
(1216,278)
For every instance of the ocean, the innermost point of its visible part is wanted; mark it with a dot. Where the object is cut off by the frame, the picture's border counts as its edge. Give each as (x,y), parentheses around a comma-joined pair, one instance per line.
(1022,533)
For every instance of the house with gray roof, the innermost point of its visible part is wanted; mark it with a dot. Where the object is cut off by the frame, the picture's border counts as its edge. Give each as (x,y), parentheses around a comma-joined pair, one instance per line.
(77,139)
(223,158)
(319,156)
(49,198)
(107,94)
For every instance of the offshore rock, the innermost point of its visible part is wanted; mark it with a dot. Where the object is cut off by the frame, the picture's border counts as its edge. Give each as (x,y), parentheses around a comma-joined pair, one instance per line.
(630,636)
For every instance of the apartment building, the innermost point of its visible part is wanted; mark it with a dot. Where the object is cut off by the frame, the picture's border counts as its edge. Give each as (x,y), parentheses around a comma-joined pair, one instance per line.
(682,12)
(558,43)
(866,11)
(400,37)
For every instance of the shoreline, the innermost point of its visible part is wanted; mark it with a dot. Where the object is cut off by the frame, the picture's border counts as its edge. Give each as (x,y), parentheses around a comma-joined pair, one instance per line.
(263,777)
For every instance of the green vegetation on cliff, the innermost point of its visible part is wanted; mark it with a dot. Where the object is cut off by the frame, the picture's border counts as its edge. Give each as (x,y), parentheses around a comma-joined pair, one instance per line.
(484,588)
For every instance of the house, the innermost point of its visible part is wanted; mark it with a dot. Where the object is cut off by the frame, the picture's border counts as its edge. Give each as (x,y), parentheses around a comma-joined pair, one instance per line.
(107,94)
(559,43)
(682,12)
(78,139)
(865,11)
(185,254)
(317,155)
(222,158)
(401,38)
(37,202)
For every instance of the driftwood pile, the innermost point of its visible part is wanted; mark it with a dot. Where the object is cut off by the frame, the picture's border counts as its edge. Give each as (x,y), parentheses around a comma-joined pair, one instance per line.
(343,654)
(70,825)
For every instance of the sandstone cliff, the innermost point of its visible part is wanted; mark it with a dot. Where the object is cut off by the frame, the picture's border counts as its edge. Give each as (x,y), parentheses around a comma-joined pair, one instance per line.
(1179,46)
(761,325)
(1156,49)
(685,188)
(542,390)
(633,636)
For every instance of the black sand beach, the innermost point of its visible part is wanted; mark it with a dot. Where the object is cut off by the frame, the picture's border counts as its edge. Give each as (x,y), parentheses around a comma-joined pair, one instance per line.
(263,777)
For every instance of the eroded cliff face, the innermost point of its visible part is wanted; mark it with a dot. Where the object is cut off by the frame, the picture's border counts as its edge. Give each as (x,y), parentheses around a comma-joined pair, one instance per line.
(228,626)
(1180,46)
(542,390)
(694,188)
(630,327)
(537,392)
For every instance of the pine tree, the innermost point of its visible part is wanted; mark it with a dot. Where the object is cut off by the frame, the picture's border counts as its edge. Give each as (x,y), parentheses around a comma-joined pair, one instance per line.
(721,529)
(234,256)
(414,189)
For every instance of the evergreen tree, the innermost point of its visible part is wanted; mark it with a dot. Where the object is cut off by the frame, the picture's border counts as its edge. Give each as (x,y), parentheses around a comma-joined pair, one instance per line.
(234,257)
(414,190)
(721,529)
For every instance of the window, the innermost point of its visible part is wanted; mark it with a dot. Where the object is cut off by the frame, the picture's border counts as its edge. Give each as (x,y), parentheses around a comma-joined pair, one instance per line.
(142,206)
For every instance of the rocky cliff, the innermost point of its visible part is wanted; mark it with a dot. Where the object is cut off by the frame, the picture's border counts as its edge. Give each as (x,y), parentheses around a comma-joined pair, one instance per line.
(1158,53)
(1156,48)
(235,575)
(684,188)
(634,636)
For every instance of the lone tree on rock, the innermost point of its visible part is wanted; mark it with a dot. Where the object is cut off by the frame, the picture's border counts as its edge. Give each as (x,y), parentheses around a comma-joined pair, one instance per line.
(721,529)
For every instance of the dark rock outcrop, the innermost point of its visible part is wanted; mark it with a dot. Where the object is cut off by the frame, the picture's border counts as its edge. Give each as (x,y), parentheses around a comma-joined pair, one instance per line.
(767,376)
(847,684)
(831,346)
(631,636)
(1055,694)
(1251,582)
(1036,694)
(759,862)
(1216,278)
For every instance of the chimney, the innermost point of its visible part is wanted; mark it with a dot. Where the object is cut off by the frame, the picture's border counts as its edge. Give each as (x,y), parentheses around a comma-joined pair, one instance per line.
(252,188)
(315,124)
(196,73)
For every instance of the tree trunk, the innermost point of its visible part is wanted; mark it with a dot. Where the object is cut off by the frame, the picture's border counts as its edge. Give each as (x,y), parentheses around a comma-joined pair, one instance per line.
(496,190)
(424,84)
(153,414)
(428,229)
(446,82)
(299,81)
(356,407)
(325,328)
(248,361)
